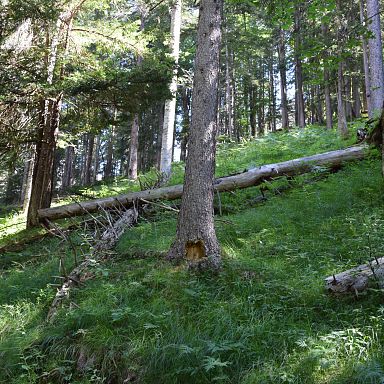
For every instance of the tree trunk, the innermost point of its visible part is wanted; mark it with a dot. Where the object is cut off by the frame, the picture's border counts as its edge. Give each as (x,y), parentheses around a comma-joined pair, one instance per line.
(367,76)
(68,167)
(96,161)
(196,238)
(133,148)
(299,70)
(186,122)
(252,177)
(88,158)
(272,106)
(283,80)
(27,181)
(327,87)
(108,169)
(170,105)
(41,191)
(341,119)
(375,58)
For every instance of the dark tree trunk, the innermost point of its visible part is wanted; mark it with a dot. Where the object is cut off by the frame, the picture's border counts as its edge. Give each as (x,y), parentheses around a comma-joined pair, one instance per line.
(300,106)
(68,167)
(88,159)
(108,169)
(41,192)
(283,80)
(185,101)
(272,105)
(196,238)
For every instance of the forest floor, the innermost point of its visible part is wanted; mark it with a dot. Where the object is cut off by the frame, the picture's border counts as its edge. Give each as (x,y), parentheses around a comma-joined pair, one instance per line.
(266,318)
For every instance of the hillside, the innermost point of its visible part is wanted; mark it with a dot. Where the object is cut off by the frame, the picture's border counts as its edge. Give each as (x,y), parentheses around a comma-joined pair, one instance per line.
(264,319)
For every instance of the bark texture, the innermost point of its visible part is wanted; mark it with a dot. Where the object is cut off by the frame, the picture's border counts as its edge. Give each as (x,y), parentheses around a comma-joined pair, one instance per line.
(357,279)
(170,105)
(196,237)
(375,58)
(283,80)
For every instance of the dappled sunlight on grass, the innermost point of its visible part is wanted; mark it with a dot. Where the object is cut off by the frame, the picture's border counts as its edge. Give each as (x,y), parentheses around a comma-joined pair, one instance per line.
(265,319)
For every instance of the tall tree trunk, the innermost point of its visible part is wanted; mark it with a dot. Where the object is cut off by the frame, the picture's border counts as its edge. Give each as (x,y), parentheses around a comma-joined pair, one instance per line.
(170,105)
(327,86)
(375,57)
(186,122)
(341,118)
(109,161)
(134,144)
(299,70)
(49,118)
(356,97)
(68,167)
(88,159)
(253,109)
(196,238)
(96,161)
(367,75)
(133,149)
(272,106)
(283,80)
(27,181)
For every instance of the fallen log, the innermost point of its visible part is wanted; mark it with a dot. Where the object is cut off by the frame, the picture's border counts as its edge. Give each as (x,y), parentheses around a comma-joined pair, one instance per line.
(80,274)
(357,279)
(250,178)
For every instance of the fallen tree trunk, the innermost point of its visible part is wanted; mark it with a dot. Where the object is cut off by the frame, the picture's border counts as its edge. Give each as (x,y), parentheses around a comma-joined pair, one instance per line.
(246,179)
(80,274)
(357,279)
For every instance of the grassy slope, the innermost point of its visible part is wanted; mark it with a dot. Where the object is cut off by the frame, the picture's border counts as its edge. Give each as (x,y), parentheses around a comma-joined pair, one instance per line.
(264,319)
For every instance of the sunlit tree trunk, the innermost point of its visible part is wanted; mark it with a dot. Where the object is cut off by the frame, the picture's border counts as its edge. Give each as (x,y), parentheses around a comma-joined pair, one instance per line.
(170,105)
(375,57)
(196,238)
(367,75)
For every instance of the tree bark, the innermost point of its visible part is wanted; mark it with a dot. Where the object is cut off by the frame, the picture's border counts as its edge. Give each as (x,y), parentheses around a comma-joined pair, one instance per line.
(283,80)
(196,238)
(299,70)
(88,159)
(375,58)
(186,123)
(367,75)
(357,279)
(341,118)
(170,105)
(68,167)
(133,148)
(27,181)
(252,177)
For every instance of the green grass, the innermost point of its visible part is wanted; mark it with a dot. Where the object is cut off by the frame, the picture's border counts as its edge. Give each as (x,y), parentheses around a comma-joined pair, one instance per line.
(264,319)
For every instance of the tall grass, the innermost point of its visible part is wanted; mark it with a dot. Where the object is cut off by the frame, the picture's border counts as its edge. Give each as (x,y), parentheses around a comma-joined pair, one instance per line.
(264,319)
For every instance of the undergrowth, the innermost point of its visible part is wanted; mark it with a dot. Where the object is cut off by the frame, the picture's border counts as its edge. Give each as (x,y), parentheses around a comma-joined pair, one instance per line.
(264,319)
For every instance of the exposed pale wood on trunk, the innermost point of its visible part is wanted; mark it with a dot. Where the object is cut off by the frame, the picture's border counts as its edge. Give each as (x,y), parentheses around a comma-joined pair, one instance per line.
(357,279)
(250,178)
